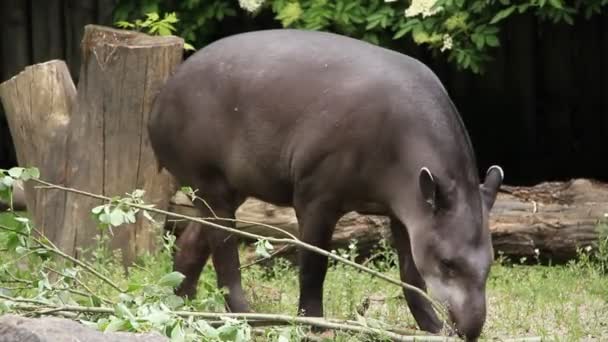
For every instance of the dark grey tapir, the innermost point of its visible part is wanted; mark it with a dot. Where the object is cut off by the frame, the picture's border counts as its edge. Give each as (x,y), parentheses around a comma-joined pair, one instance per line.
(328,124)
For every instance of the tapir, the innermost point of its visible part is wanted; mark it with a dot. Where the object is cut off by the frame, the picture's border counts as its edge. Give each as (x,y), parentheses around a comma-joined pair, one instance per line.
(328,124)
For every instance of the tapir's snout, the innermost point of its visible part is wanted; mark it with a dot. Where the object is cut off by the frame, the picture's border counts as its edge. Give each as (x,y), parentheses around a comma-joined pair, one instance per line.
(466,306)
(469,317)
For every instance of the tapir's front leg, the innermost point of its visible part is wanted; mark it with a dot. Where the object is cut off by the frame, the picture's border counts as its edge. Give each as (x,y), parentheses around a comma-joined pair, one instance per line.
(420,307)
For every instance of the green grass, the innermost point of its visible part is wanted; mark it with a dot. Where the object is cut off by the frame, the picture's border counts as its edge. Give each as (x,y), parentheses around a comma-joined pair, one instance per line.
(559,303)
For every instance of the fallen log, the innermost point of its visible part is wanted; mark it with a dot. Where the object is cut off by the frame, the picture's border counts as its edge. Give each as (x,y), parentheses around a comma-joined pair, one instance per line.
(550,220)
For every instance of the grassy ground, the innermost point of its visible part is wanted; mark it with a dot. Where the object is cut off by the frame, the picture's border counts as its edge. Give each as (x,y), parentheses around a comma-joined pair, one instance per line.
(559,303)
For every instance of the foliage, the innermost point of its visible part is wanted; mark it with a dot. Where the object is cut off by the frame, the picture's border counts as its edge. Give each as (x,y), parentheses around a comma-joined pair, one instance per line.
(154,25)
(195,20)
(466,31)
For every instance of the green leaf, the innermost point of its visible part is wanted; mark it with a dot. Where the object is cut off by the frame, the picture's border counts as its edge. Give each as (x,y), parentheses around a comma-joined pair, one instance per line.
(8,181)
(97,209)
(478,40)
(174,302)
(163,31)
(502,14)
(172,279)
(12,241)
(158,317)
(117,324)
(177,334)
(122,311)
(228,332)
(104,218)
(401,32)
(556,3)
(16,172)
(117,217)
(133,287)
(492,41)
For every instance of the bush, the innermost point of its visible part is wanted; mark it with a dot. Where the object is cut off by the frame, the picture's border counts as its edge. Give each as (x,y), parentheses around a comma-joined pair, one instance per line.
(464,32)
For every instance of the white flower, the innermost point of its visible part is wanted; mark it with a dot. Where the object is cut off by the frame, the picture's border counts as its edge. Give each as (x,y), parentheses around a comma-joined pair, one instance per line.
(447,42)
(422,7)
(588,248)
(250,5)
(536,251)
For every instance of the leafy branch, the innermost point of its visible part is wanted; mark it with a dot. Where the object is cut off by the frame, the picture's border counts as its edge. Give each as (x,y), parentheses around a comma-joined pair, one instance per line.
(290,241)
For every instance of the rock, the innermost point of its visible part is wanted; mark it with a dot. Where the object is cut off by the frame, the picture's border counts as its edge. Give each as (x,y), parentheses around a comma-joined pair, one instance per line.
(15,328)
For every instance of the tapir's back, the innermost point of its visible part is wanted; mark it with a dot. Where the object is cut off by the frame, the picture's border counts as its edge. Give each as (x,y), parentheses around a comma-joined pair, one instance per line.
(267,105)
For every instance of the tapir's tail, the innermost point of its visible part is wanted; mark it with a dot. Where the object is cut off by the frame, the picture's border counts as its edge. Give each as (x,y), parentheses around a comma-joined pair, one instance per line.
(151,125)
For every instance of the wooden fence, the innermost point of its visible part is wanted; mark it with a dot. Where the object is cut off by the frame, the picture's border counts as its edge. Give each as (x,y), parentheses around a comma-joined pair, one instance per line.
(541,111)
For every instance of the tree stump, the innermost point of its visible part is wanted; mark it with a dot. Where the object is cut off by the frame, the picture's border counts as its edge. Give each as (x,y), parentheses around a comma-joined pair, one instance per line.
(38,105)
(549,220)
(102,146)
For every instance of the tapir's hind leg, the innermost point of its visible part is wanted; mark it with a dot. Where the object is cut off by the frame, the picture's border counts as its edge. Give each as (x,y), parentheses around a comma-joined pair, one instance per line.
(190,256)
(221,245)
(420,307)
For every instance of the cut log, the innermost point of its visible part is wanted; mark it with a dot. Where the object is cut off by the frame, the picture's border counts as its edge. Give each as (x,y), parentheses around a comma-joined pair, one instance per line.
(108,149)
(38,105)
(551,219)
(102,144)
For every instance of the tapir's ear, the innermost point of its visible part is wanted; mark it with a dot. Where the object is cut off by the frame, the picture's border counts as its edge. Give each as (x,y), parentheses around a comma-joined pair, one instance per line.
(493,181)
(428,187)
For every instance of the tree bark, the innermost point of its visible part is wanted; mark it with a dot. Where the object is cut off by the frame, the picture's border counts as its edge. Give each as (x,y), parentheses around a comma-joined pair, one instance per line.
(108,149)
(38,104)
(552,218)
(102,144)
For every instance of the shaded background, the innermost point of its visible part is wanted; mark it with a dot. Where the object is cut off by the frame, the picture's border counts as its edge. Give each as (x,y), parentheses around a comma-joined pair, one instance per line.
(540,111)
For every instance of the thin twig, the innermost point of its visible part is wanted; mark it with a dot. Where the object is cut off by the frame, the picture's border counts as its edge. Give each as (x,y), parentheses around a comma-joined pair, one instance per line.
(25,300)
(293,241)
(264,258)
(90,292)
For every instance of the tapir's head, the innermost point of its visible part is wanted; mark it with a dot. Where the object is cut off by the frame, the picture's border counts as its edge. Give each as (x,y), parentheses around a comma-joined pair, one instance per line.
(452,246)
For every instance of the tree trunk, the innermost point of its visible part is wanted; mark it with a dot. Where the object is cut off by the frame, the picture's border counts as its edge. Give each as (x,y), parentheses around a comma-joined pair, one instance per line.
(104,149)
(38,103)
(553,218)
(108,150)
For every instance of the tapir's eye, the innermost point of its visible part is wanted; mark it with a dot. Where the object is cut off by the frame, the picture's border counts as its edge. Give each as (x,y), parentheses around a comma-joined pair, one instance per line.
(448,266)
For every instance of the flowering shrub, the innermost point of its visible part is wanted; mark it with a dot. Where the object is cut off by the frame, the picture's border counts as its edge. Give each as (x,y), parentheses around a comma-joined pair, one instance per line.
(464,31)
